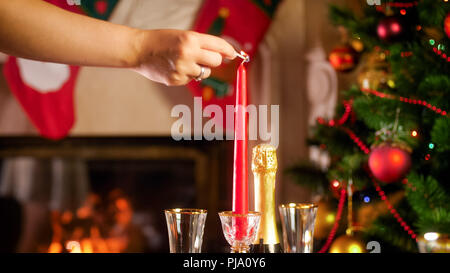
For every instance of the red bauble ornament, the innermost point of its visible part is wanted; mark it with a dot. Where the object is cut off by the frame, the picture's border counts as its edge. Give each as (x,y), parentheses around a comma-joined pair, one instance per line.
(391,29)
(343,58)
(389,163)
(101,6)
(447,25)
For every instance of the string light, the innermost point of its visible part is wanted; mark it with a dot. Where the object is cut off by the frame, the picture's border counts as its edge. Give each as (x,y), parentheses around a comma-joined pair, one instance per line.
(423,103)
(431,146)
(335,184)
(366,199)
(414,133)
(431,236)
(440,53)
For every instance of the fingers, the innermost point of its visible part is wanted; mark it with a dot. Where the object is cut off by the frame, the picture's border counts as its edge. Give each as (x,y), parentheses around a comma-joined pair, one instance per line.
(216,44)
(197,72)
(185,54)
(209,58)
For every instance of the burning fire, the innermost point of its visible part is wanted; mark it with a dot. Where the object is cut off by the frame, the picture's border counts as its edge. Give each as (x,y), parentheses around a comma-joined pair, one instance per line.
(85,236)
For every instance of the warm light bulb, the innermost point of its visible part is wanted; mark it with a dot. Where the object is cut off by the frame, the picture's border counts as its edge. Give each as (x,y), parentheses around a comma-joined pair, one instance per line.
(330,218)
(335,183)
(414,133)
(395,27)
(382,31)
(431,236)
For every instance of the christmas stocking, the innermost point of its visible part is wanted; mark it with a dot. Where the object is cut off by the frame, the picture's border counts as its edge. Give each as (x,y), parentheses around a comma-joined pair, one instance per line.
(46,90)
(243,24)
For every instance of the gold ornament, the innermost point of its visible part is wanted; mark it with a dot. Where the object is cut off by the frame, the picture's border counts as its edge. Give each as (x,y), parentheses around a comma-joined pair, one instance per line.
(376,74)
(357,44)
(326,216)
(347,244)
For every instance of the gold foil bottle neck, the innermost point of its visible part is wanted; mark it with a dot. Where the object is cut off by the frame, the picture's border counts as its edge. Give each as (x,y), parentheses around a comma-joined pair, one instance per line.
(264,158)
(264,167)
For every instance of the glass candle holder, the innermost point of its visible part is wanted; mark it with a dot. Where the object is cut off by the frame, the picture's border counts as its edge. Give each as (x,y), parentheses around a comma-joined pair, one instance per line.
(433,242)
(240,230)
(185,228)
(297,221)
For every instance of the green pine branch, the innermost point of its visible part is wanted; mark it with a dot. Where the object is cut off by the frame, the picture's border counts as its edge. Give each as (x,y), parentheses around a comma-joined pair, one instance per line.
(431,202)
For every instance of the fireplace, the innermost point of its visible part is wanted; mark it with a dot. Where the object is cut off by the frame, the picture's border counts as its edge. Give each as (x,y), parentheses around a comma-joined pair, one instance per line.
(108,194)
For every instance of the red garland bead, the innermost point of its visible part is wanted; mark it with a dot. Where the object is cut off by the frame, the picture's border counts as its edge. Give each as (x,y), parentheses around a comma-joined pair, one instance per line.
(101,6)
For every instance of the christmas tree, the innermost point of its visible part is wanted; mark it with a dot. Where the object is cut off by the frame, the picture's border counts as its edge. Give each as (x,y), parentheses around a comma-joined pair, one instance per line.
(389,142)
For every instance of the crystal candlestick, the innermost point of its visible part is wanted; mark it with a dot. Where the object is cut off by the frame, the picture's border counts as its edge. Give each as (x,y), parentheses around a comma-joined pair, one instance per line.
(240,236)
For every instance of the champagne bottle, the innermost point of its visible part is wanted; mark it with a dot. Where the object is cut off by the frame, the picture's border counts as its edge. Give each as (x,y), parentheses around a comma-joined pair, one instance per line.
(264,168)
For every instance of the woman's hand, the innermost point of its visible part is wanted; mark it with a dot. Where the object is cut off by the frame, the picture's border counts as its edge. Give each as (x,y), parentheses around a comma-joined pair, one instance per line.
(175,57)
(172,57)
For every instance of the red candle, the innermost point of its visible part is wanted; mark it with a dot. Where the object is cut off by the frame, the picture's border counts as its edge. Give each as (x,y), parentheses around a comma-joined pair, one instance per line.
(240,185)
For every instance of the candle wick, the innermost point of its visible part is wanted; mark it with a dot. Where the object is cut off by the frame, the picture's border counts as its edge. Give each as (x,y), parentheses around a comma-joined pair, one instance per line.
(244,56)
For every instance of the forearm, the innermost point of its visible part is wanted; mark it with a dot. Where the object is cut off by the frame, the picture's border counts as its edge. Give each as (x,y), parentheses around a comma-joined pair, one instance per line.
(35,29)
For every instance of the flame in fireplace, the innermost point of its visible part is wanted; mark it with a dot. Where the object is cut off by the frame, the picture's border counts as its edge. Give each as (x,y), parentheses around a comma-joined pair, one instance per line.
(90,240)
(73,247)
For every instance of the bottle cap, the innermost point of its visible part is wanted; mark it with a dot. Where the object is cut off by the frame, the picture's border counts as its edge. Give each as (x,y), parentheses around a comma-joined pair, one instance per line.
(264,158)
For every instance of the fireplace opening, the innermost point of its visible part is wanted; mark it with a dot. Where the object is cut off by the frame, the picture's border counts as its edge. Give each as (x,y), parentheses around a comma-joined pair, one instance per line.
(106,195)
